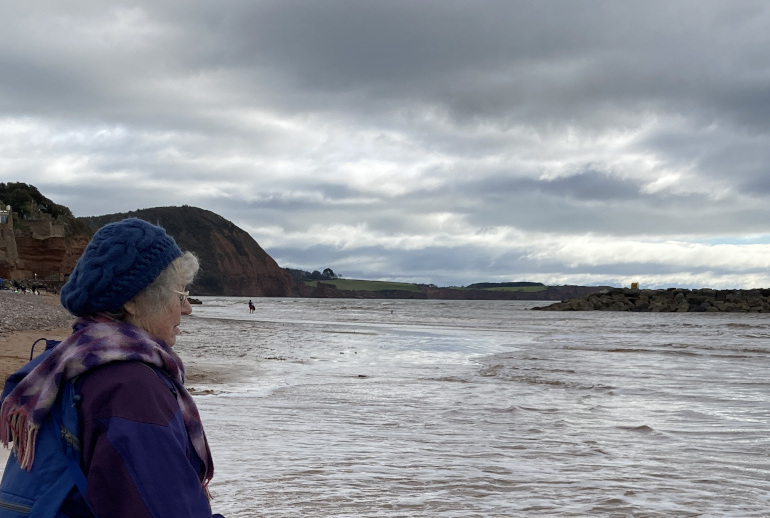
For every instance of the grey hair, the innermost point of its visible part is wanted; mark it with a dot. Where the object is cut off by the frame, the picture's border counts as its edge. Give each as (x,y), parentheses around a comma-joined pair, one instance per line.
(175,277)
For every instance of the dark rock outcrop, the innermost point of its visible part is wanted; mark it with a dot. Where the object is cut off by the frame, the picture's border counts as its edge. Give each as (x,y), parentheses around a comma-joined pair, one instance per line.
(669,300)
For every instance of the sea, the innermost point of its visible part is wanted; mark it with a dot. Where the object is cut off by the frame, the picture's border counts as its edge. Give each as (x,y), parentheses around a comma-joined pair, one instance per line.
(410,408)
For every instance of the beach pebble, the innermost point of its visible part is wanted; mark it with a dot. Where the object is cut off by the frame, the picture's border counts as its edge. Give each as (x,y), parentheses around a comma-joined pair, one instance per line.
(22,312)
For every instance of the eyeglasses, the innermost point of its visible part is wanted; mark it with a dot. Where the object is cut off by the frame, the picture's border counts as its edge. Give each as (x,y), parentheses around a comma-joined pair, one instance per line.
(182,296)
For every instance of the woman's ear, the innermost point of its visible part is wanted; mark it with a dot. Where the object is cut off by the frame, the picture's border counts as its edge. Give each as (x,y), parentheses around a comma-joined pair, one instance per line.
(130,308)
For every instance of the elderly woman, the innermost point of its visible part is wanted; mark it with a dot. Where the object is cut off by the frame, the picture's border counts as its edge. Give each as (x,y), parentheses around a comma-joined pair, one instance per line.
(143,452)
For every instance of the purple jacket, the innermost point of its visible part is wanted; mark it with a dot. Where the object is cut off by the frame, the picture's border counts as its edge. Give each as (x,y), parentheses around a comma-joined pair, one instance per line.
(136,454)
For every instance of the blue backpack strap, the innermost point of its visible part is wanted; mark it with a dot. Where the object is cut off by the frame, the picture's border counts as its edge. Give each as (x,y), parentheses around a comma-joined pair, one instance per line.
(49,344)
(26,491)
(32,349)
(55,474)
(65,417)
(20,374)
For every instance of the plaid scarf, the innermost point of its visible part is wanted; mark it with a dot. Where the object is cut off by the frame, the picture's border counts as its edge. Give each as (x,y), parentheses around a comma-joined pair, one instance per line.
(95,341)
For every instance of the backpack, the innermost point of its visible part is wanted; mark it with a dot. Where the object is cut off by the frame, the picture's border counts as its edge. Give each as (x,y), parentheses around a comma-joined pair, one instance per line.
(41,491)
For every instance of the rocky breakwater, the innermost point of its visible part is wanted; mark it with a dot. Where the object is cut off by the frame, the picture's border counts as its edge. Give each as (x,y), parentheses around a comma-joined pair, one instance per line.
(669,300)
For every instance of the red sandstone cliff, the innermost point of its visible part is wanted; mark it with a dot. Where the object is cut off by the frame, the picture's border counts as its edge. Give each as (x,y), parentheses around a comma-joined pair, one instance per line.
(38,251)
(50,257)
(232,263)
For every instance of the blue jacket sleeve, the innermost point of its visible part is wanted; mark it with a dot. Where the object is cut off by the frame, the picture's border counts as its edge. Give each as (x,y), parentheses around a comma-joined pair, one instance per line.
(137,456)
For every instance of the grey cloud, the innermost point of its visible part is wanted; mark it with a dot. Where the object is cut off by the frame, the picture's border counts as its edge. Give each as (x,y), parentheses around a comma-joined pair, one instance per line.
(561,60)
(586,186)
(595,52)
(477,97)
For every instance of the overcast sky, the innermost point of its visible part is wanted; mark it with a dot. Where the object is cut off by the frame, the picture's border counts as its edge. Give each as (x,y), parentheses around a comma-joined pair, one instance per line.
(435,141)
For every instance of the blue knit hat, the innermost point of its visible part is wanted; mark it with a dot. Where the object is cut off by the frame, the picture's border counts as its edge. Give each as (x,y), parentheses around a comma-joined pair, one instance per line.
(121,260)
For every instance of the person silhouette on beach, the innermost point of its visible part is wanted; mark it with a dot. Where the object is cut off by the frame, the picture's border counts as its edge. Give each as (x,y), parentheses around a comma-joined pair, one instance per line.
(251,307)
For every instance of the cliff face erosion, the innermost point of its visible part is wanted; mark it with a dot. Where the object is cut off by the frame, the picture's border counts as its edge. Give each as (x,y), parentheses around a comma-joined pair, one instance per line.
(38,250)
(232,262)
(50,256)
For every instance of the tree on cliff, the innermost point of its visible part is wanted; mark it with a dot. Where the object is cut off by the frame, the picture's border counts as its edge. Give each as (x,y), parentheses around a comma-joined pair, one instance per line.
(327,275)
(26,200)
(302,275)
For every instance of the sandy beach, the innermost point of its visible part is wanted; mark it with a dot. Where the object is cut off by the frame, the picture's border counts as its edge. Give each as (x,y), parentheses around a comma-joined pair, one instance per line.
(23,319)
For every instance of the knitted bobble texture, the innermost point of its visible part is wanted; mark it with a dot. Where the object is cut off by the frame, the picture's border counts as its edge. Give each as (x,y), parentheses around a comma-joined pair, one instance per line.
(121,260)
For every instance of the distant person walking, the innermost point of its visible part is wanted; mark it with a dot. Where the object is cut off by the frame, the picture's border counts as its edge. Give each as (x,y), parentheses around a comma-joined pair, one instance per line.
(251,307)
